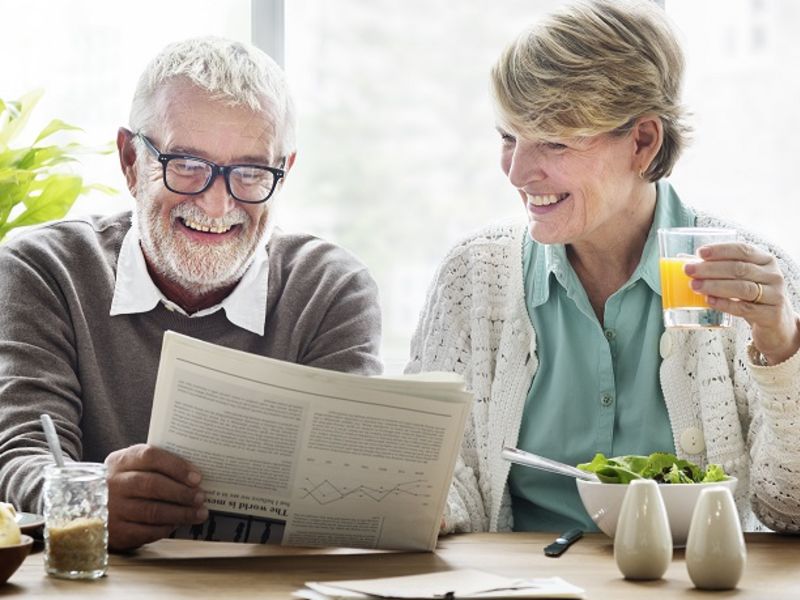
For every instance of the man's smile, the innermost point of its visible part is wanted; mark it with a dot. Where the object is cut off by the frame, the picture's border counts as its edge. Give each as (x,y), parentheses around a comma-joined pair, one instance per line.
(194,225)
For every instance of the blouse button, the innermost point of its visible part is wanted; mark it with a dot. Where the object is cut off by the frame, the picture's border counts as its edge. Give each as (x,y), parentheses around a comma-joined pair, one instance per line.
(665,345)
(692,441)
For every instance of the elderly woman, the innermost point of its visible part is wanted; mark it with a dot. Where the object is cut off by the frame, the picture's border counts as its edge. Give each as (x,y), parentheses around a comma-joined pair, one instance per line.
(557,326)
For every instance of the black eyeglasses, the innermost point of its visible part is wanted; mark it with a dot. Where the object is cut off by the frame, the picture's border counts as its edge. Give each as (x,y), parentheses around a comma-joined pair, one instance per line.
(190,175)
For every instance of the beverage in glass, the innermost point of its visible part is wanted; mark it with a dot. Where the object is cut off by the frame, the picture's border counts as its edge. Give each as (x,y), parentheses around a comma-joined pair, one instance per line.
(76,521)
(683,307)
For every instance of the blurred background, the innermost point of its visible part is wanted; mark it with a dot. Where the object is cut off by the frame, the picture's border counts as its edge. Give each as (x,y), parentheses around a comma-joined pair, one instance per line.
(398,156)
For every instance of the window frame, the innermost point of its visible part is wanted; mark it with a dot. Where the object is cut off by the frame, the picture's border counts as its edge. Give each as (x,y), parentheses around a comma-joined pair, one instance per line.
(267,28)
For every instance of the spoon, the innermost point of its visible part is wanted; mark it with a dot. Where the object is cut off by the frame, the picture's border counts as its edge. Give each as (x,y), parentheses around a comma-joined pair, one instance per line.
(52,440)
(521,457)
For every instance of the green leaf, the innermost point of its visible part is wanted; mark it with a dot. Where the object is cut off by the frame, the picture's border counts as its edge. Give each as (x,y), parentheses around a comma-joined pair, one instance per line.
(714,473)
(18,119)
(99,187)
(12,192)
(55,126)
(45,156)
(660,466)
(56,198)
(611,470)
(34,186)
(674,474)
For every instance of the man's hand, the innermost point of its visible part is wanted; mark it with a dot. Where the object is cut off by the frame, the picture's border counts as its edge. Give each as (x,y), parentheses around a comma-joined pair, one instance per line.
(150,492)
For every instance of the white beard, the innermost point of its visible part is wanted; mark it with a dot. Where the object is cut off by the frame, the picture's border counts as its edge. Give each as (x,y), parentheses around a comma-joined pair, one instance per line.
(198,268)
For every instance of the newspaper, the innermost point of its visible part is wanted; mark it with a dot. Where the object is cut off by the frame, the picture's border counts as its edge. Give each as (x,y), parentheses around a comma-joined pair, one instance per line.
(302,456)
(461,583)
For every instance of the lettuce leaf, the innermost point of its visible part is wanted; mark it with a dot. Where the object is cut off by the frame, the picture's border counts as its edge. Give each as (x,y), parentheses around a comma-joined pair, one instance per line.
(660,466)
(612,470)
(714,473)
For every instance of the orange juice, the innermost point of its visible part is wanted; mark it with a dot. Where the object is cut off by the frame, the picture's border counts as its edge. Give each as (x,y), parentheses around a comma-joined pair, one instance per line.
(676,291)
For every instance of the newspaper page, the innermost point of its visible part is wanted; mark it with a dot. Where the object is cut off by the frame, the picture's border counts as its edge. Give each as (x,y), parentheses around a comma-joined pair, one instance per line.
(302,456)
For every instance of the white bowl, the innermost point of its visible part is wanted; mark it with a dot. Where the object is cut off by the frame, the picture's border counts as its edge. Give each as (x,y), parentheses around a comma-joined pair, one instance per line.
(602,502)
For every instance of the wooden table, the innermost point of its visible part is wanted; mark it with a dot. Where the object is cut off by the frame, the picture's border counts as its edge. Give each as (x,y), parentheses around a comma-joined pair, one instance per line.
(185,569)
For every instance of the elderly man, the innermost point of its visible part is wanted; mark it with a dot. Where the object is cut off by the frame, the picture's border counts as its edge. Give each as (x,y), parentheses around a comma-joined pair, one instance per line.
(85,302)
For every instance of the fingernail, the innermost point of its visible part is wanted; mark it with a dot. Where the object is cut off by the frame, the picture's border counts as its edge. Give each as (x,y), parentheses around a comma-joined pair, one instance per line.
(199,498)
(704,252)
(202,514)
(689,269)
(696,284)
(194,477)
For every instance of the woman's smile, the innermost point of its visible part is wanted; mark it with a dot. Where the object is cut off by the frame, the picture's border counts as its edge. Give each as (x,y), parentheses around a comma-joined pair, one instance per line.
(544,203)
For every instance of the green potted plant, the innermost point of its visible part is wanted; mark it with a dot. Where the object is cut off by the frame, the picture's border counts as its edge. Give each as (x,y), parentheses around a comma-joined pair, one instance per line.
(35,186)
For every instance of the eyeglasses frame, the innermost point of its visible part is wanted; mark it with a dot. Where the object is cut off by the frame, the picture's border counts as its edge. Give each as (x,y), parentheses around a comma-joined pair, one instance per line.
(216,170)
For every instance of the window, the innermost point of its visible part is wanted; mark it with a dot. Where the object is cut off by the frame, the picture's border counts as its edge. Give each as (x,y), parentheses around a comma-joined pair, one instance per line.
(398,155)
(87,56)
(742,88)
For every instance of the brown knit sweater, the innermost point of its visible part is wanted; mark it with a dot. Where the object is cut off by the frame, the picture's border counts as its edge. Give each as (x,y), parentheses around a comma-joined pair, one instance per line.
(61,352)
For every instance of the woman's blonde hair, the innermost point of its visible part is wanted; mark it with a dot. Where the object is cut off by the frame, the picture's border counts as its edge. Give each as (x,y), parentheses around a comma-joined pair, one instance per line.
(595,67)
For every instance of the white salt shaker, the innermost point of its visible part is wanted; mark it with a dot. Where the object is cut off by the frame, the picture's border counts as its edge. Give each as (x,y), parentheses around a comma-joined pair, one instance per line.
(643,541)
(715,550)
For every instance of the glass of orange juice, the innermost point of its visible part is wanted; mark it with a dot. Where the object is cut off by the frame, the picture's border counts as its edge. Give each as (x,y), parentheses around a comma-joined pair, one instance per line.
(683,307)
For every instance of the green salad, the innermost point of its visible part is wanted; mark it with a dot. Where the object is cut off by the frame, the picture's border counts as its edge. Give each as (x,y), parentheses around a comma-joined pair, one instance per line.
(660,466)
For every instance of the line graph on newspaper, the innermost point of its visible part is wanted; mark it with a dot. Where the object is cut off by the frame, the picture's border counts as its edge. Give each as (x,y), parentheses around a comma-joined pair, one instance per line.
(327,481)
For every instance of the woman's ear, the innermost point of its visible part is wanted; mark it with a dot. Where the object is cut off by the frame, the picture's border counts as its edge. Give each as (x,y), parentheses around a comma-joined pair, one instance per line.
(127,157)
(648,135)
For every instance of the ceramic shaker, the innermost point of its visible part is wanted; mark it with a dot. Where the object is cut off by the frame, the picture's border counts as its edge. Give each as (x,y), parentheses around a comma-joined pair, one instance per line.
(643,541)
(715,550)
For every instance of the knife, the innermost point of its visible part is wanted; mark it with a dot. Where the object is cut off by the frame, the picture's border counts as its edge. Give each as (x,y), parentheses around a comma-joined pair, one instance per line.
(564,541)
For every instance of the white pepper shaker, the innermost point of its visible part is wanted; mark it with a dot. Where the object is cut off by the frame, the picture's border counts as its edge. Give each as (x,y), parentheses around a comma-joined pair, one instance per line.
(643,541)
(715,550)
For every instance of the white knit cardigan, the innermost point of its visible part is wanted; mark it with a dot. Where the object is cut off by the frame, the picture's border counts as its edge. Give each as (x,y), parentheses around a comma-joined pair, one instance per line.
(722,408)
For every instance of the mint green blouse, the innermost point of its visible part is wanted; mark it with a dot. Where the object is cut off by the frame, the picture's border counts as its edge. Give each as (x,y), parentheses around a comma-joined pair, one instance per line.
(597,387)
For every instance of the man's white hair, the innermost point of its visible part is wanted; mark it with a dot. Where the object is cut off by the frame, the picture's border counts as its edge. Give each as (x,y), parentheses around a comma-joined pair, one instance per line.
(230,71)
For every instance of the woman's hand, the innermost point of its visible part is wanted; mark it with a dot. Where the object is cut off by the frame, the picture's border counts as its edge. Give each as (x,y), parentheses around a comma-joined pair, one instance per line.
(745,281)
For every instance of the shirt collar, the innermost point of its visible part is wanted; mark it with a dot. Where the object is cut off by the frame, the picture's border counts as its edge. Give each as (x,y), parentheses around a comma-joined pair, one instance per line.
(548,259)
(135,292)
(551,259)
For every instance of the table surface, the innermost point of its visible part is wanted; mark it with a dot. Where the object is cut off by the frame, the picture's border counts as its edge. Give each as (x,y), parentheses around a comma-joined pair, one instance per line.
(187,569)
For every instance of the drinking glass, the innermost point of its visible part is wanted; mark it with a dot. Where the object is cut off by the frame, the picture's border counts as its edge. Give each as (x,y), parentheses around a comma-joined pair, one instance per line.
(76,521)
(683,307)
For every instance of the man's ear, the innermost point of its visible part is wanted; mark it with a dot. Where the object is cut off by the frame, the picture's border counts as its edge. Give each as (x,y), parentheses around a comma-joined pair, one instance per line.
(127,157)
(648,135)
(290,162)
(287,166)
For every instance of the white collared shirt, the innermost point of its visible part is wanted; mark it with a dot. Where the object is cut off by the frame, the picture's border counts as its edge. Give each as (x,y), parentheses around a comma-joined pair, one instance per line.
(135,292)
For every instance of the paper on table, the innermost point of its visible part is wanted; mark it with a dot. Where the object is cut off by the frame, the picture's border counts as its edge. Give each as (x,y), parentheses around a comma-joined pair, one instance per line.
(464,583)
